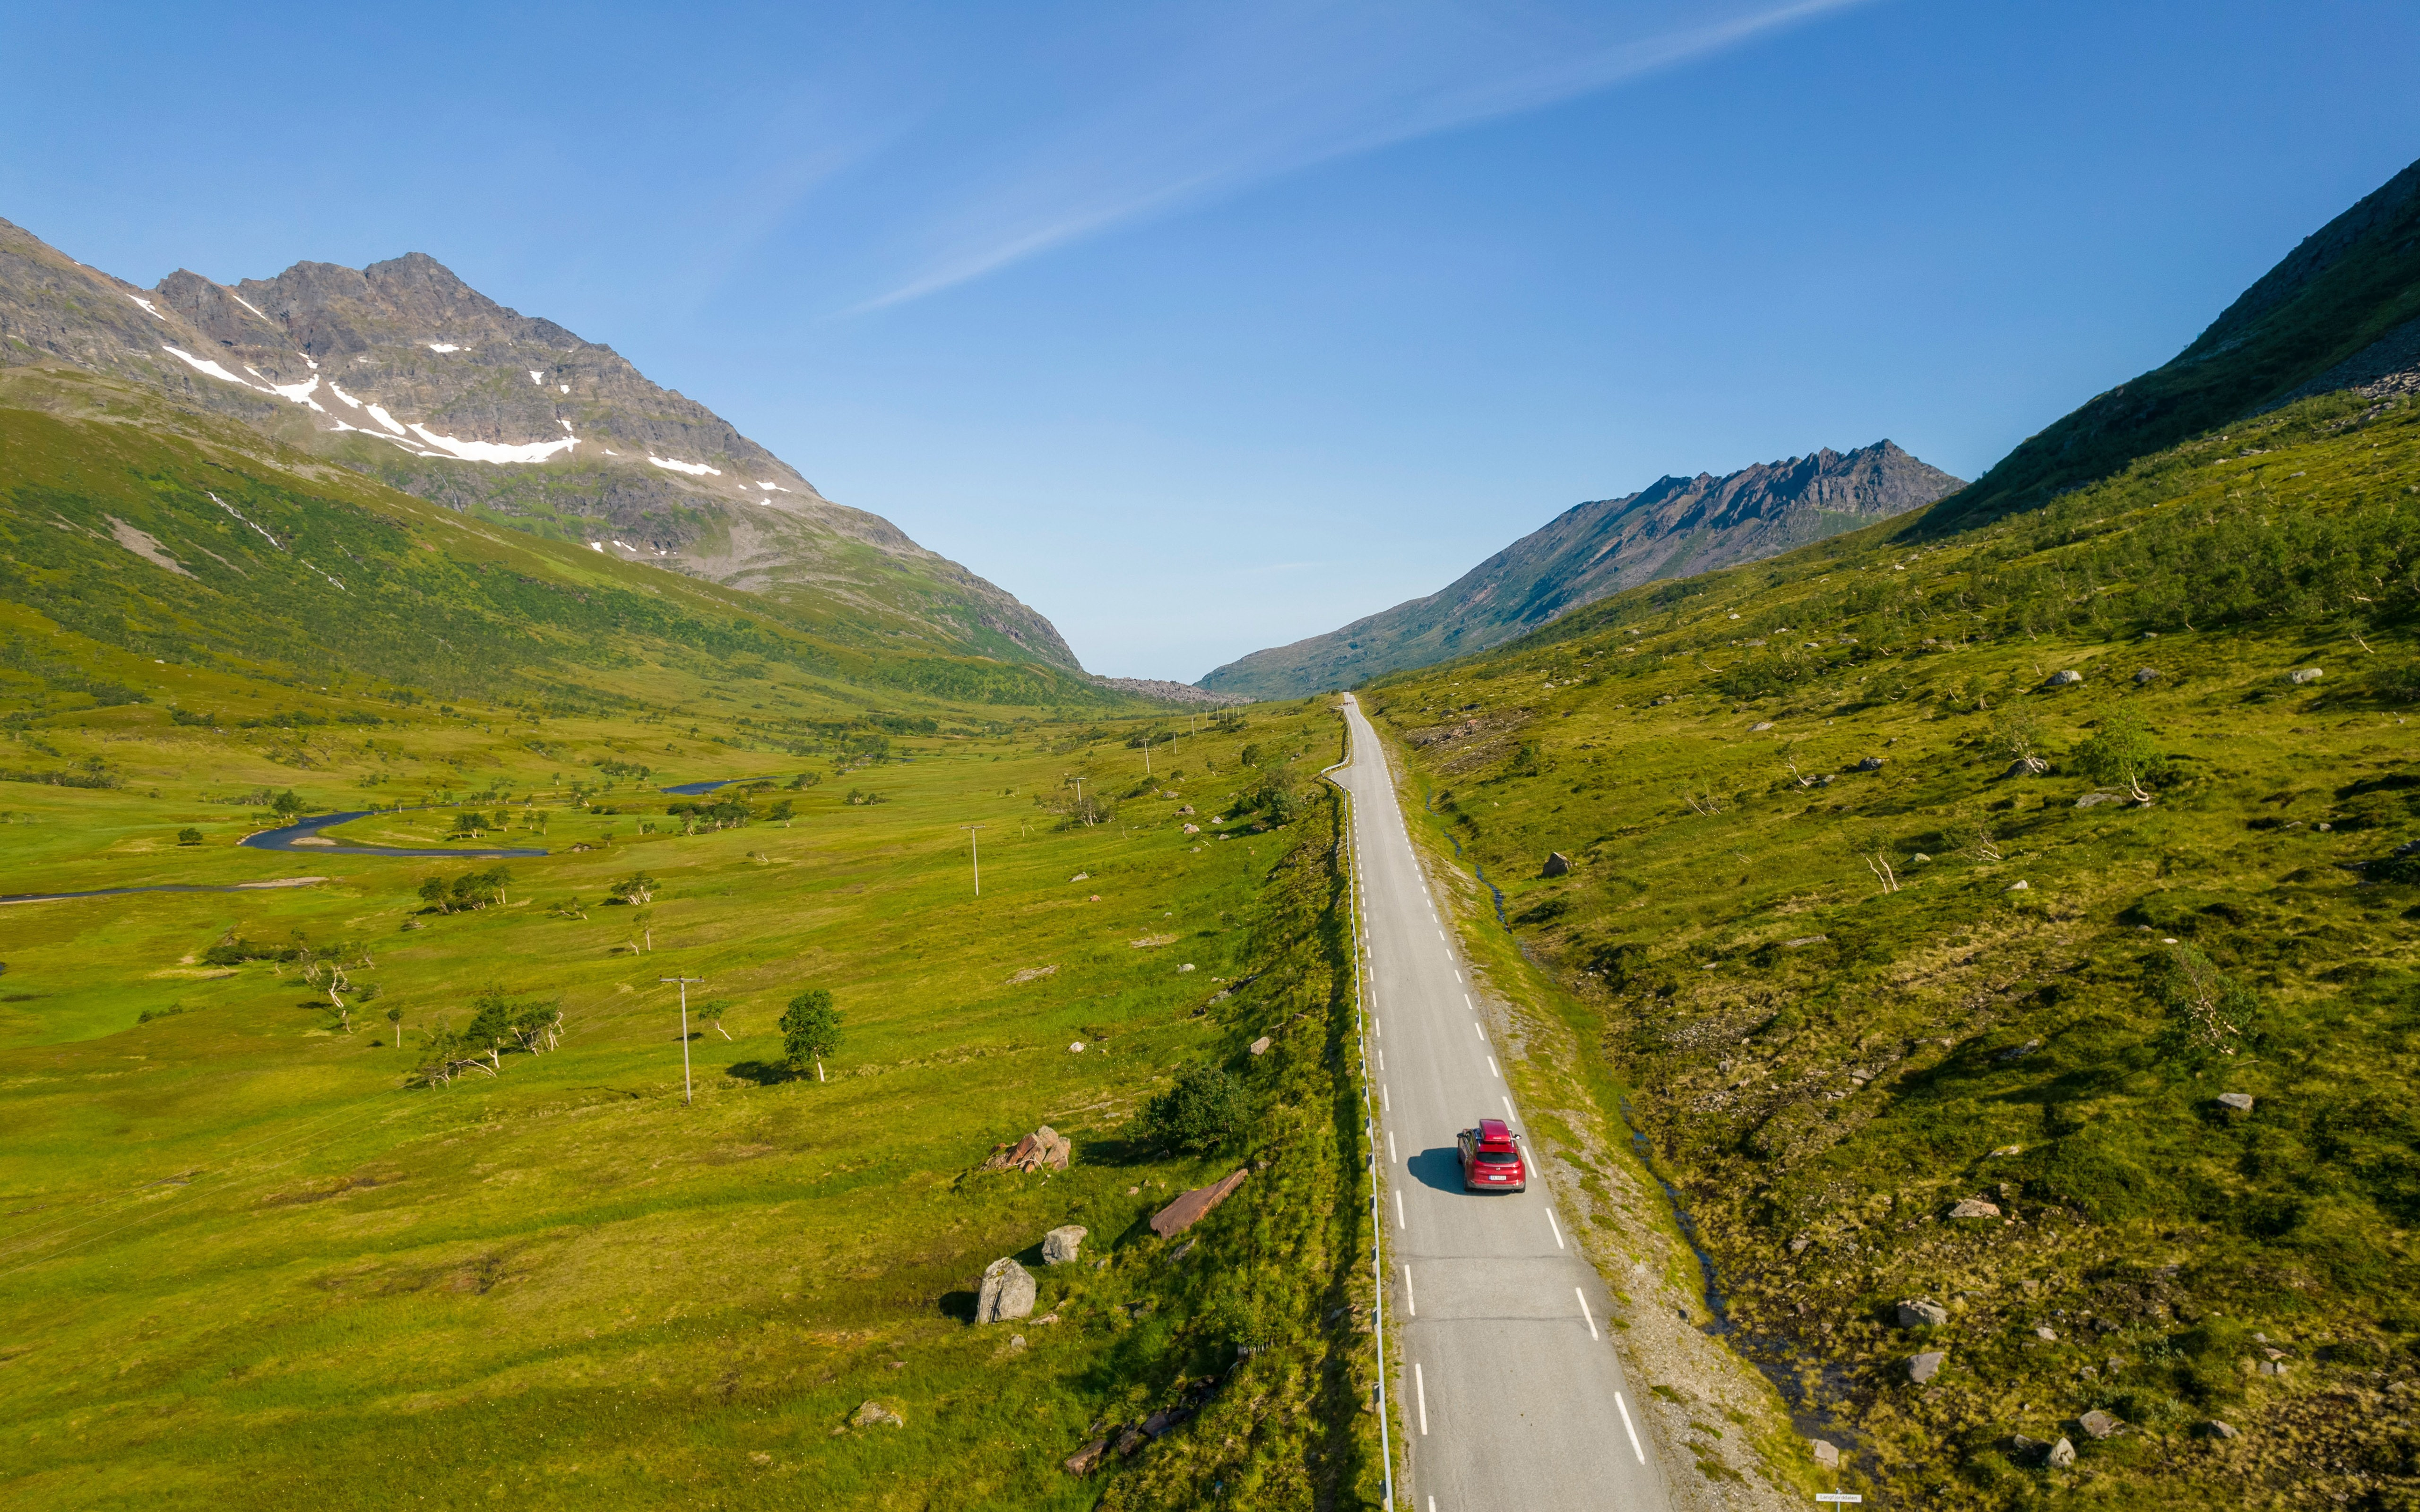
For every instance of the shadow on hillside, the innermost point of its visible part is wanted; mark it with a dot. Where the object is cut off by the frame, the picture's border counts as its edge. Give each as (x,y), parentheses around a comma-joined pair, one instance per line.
(763,1073)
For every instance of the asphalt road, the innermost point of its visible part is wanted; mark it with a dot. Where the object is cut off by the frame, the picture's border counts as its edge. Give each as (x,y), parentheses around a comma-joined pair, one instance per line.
(1510,1393)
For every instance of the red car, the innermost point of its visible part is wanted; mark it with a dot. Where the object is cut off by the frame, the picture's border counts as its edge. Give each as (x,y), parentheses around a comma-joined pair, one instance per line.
(1490,1159)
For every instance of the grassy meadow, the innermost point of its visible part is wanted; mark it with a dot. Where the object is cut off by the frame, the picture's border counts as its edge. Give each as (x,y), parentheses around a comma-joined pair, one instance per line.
(1844,973)
(255,1257)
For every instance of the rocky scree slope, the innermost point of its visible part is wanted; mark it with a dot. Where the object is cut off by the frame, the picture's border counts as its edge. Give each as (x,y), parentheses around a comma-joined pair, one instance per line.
(402,371)
(2341,311)
(1676,526)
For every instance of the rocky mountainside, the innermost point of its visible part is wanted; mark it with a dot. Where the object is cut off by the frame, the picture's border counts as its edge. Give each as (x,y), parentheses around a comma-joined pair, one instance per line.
(2341,311)
(1674,528)
(402,371)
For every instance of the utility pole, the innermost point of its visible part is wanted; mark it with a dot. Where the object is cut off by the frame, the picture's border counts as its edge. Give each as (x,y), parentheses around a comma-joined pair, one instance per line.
(974,844)
(684,991)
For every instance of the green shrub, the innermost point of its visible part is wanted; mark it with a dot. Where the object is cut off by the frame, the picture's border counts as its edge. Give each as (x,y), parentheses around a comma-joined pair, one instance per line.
(1196,1115)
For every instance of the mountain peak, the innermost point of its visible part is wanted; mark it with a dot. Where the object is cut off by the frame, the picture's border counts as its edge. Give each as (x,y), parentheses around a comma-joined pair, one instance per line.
(1675,527)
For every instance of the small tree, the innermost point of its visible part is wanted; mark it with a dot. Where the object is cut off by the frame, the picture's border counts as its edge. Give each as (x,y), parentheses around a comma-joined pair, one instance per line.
(2016,733)
(645,922)
(2209,1011)
(189,837)
(712,1012)
(2123,752)
(1196,1114)
(287,806)
(811,1030)
(394,1022)
(638,887)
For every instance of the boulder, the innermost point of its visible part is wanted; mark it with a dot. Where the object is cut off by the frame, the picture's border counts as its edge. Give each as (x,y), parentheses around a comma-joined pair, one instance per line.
(1188,1210)
(1827,1454)
(871,1413)
(2026,766)
(2094,799)
(2305,675)
(1261,1045)
(1044,1148)
(1558,864)
(1186,811)
(2220,1430)
(1975,1207)
(2236,1102)
(1007,1292)
(2067,678)
(1130,1439)
(2099,1423)
(1084,1461)
(2046,1333)
(1920,1313)
(1058,1246)
(2018,887)
(1193,830)
(1926,1366)
(1757,729)
(2146,674)
(1871,763)
(2062,1455)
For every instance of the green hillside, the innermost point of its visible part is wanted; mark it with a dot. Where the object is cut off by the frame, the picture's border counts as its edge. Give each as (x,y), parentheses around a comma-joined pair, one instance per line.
(1845,972)
(2336,313)
(272,1236)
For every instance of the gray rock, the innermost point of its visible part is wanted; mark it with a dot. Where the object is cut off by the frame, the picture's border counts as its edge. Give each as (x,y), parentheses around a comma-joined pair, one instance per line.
(2239,1101)
(1757,729)
(1926,1366)
(1975,1207)
(2094,799)
(2062,1455)
(1871,763)
(1261,1045)
(1659,702)
(1827,1454)
(1558,864)
(872,1413)
(2017,1052)
(2025,1448)
(2018,887)
(1083,1461)
(1008,1292)
(1920,1313)
(2026,766)
(2220,1430)
(2067,678)
(2146,674)
(2305,675)
(2046,1333)
(2099,1423)
(1058,1246)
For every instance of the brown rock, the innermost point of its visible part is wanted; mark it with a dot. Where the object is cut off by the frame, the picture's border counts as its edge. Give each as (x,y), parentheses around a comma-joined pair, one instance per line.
(1044,1147)
(1975,1207)
(2099,1423)
(1188,1210)
(1558,864)
(1083,1461)
(1827,1454)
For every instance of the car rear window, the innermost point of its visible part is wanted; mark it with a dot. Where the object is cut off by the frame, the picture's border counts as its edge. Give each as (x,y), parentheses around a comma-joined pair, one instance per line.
(1494,1157)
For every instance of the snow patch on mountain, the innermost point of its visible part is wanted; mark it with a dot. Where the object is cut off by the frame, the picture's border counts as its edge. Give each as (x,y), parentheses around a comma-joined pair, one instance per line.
(493,451)
(695,470)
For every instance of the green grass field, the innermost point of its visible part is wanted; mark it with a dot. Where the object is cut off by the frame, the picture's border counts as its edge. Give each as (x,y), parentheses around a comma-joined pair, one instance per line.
(254,1256)
(1840,999)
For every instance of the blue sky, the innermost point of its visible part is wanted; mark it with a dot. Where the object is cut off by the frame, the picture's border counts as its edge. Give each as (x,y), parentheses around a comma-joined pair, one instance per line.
(1204,328)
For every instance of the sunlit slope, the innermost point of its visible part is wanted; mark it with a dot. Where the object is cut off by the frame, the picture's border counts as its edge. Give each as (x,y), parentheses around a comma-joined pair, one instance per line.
(1855,972)
(171,536)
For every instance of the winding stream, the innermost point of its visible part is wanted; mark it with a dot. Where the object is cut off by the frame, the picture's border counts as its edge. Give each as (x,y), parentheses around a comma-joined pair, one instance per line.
(305,835)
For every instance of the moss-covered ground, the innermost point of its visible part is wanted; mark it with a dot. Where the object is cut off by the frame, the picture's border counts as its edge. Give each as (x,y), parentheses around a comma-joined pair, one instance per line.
(1853,973)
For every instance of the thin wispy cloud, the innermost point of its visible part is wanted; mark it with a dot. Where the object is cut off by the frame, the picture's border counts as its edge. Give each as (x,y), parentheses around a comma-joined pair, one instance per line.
(1247,96)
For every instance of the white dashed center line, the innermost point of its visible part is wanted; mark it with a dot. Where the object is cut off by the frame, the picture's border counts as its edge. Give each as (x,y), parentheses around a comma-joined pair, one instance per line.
(1421,1389)
(1617,1401)
(1411,1307)
(1585,1313)
(1550,1223)
(1399,1207)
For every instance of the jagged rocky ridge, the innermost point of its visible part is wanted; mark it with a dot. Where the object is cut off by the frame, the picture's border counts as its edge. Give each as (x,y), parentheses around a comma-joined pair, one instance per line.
(1674,528)
(402,371)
